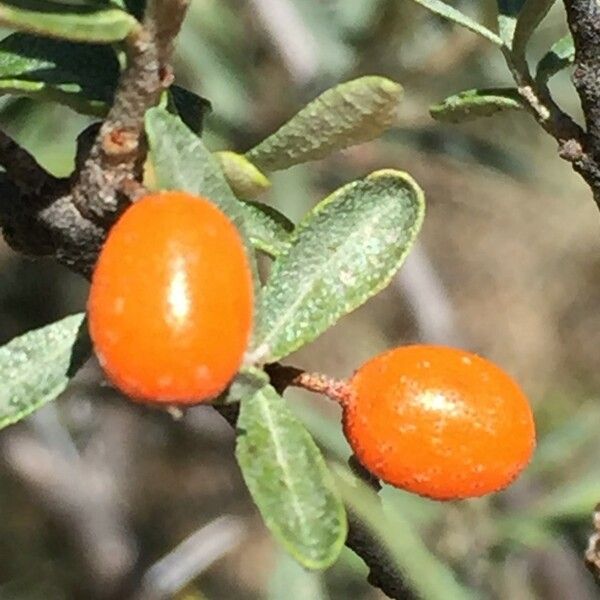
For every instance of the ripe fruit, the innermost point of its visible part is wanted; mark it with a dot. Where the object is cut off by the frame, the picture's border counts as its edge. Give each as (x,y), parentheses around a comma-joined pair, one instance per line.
(170,306)
(439,422)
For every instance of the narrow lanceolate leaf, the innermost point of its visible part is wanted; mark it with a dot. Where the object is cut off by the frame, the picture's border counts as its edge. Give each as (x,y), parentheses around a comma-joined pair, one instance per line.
(268,229)
(348,114)
(35,367)
(69,21)
(508,11)
(472,104)
(559,57)
(289,481)
(530,17)
(343,252)
(182,162)
(82,76)
(448,12)
(246,181)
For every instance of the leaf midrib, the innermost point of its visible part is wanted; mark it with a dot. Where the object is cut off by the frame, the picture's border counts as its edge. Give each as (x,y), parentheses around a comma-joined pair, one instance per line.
(274,330)
(285,467)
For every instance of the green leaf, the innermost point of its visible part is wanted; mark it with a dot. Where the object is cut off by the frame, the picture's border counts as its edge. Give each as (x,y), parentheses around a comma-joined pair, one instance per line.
(348,114)
(508,11)
(82,76)
(289,481)
(530,17)
(447,12)
(344,251)
(559,57)
(182,162)
(425,573)
(472,104)
(291,581)
(191,108)
(76,22)
(268,229)
(244,178)
(36,367)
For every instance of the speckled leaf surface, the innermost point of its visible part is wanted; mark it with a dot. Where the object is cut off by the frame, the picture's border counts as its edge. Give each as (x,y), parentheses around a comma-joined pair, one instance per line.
(348,114)
(69,21)
(268,229)
(182,162)
(345,250)
(82,76)
(289,481)
(35,367)
(472,104)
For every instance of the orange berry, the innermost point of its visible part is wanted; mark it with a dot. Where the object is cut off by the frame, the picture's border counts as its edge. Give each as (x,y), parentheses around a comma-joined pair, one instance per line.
(170,306)
(439,422)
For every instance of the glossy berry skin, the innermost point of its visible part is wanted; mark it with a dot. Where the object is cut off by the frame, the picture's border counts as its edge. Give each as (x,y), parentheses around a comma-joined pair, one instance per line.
(171,301)
(439,422)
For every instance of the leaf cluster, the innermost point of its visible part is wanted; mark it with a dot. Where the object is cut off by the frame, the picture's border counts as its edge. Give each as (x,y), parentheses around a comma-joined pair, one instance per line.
(341,253)
(517,22)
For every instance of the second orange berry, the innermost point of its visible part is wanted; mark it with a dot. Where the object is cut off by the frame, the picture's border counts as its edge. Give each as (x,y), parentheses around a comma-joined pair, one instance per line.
(439,422)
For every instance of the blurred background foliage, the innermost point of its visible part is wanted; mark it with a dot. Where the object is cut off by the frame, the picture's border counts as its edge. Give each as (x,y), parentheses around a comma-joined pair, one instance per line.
(95,490)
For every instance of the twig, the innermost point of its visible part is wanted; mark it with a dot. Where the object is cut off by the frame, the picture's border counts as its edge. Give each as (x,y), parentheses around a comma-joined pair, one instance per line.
(283,376)
(574,144)
(22,167)
(68,218)
(583,17)
(383,573)
(118,153)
